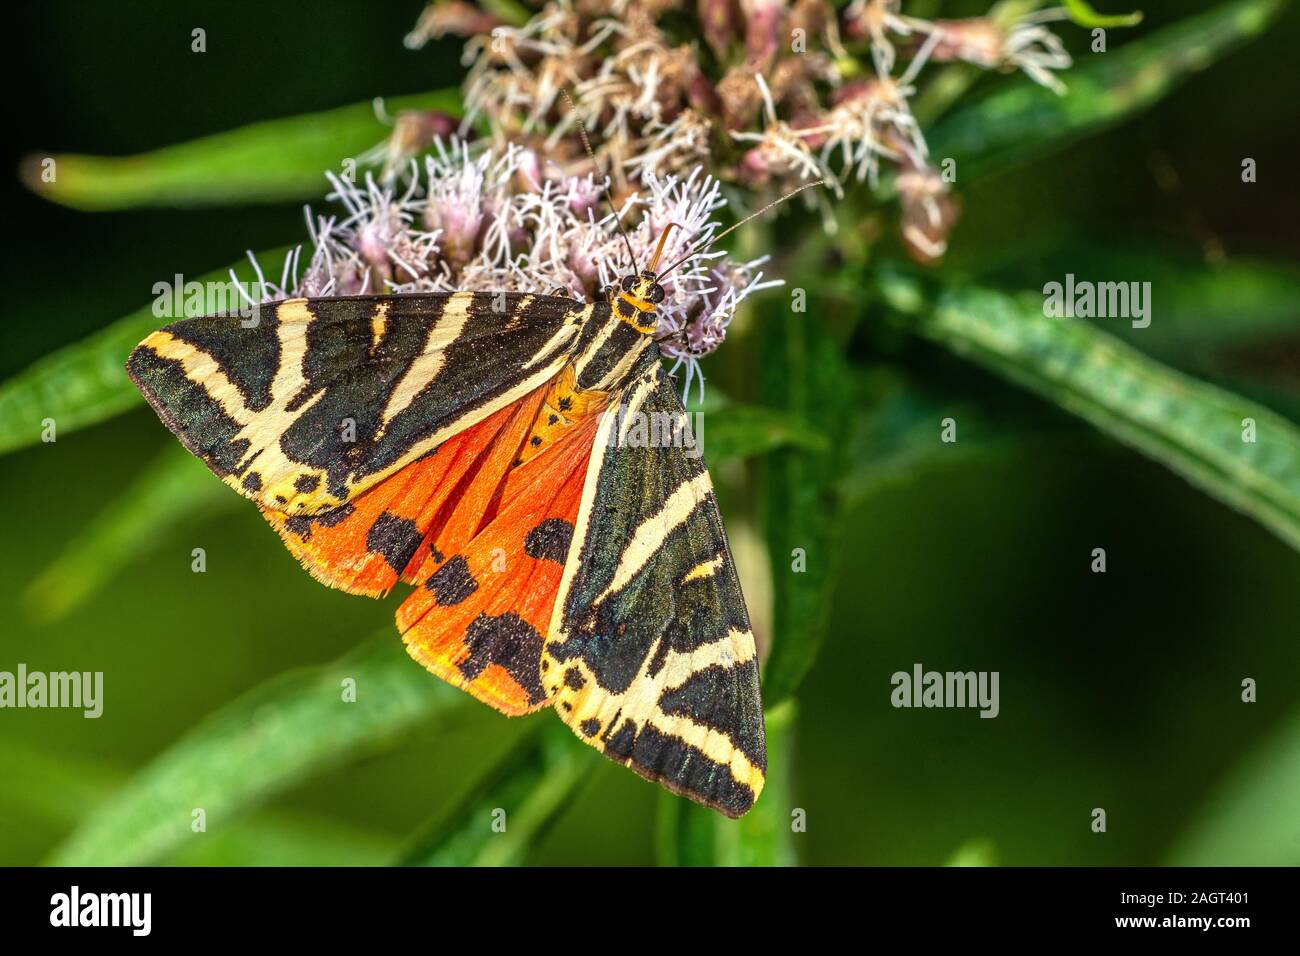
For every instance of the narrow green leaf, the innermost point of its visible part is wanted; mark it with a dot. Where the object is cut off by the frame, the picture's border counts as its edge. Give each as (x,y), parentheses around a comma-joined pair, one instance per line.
(57,792)
(1235,303)
(1024,120)
(509,812)
(687,834)
(1252,816)
(803,374)
(282,839)
(1196,430)
(85,383)
(175,486)
(1083,14)
(278,735)
(271,161)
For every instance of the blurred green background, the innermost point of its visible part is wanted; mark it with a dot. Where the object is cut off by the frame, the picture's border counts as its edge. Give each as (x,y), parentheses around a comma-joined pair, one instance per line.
(1119,691)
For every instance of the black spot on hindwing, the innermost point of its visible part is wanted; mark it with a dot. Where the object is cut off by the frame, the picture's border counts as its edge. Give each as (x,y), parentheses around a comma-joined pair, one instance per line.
(510,642)
(396,538)
(301,525)
(452,583)
(549,541)
(334,516)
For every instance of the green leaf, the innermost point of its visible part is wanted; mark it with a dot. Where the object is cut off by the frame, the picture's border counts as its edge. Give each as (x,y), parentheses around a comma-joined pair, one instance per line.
(803,373)
(271,161)
(174,487)
(1234,303)
(1194,429)
(85,383)
(56,792)
(508,813)
(283,839)
(1253,814)
(687,834)
(1024,120)
(278,735)
(1085,16)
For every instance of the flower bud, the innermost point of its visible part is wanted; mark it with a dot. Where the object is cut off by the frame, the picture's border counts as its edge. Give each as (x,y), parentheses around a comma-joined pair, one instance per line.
(719,21)
(763,26)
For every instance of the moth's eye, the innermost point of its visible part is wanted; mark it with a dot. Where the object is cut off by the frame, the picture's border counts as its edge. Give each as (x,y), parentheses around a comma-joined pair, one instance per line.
(629,283)
(656,294)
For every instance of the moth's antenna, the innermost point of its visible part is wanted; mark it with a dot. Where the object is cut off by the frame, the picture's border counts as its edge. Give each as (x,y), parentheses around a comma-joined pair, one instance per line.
(692,251)
(586,143)
(659,249)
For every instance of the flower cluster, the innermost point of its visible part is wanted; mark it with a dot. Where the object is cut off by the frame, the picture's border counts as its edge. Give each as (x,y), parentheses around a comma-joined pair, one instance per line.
(772,93)
(481,219)
(768,95)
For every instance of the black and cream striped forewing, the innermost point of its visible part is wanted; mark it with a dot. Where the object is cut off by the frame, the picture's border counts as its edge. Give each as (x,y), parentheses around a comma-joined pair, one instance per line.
(650,657)
(311,401)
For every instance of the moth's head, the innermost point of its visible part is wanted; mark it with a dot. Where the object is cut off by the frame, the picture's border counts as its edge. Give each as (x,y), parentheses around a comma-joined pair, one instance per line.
(641,291)
(637,295)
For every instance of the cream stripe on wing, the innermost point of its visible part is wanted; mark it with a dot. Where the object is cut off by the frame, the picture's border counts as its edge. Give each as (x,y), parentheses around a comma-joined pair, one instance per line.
(202,370)
(633,406)
(429,363)
(640,702)
(610,419)
(705,569)
(560,339)
(650,533)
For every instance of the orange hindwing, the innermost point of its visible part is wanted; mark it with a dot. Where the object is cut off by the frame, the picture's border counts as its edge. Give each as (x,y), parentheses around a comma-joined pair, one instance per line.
(480,613)
(482,526)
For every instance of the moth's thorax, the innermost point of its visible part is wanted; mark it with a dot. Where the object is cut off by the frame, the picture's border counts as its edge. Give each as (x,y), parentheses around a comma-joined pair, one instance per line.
(608,355)
(610,346)
(634,299)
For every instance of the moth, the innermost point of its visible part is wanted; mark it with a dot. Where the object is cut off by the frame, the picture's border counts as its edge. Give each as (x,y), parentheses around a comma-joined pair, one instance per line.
(480,447)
